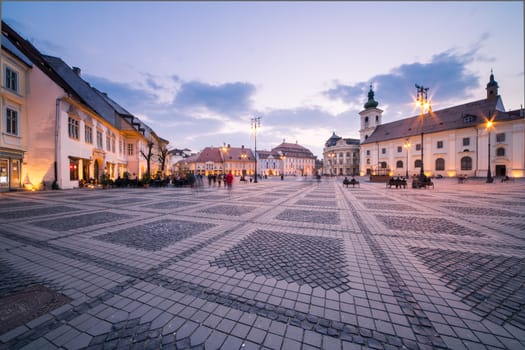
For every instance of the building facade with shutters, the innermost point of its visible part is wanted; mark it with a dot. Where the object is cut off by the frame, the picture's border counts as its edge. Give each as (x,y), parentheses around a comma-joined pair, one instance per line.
(64,132)
(456,141)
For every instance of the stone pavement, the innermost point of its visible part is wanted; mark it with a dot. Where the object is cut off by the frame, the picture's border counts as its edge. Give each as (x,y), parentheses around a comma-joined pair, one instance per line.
(274,265)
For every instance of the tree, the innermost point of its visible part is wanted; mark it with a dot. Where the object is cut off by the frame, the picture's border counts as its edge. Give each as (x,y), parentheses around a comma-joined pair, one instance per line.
(162,156)
(148,156)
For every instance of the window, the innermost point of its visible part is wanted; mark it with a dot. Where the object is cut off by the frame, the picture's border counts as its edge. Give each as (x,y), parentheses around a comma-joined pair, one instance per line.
(500,137)
(130,149)
(348,154)
(418,147)
(439,144)
(383,150)
(11,79)
(466,163)
(99,139)
(73,128)
(120,147)
(377,118)
(113,143)
(399,149)
(469,118)
(417,163)
(500,152)
(466,141)
(108,142)
(367,161)
(73,169)
(399,164)
(383,165)
(341,154)
(88,134)
(367,152)
(440,164)
(11,121)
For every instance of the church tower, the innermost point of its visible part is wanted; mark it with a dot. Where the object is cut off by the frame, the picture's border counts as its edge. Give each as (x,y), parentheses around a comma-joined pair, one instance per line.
(492,87)
(370,117)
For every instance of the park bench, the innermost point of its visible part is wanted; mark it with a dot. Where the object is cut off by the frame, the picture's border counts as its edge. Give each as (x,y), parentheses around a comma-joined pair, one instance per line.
(397,183)
(352,182)
(425,183)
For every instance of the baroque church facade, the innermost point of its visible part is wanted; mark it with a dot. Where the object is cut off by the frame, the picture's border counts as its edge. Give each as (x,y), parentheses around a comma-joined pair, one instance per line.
(463,140)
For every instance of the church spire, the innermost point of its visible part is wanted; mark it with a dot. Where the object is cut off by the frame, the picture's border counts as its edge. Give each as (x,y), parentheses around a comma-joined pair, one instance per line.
(371,103)
(492,86)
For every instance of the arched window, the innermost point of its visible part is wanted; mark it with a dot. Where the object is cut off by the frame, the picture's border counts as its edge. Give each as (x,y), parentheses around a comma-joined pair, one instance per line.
(417,163)
(377,118)
(399,164)
(366,137)
(500,152)
(440,164)
(383,165)
(466,163)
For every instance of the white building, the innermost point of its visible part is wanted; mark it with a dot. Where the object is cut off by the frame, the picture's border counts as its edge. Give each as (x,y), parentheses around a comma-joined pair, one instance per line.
(455,140)
(67,131)
(341,156)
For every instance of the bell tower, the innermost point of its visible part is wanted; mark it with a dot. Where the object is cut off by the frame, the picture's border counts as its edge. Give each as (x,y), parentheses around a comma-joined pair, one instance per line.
(370,117)
(492,87)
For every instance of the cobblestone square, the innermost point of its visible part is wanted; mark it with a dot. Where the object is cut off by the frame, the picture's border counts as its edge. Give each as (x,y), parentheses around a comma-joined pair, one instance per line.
(291,264)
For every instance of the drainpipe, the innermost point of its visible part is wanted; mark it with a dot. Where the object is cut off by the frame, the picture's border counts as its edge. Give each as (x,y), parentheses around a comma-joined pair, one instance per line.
(57,143)
(477,151)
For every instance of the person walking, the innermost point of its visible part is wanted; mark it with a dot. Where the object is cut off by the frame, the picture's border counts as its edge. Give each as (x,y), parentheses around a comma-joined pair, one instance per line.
(229,181)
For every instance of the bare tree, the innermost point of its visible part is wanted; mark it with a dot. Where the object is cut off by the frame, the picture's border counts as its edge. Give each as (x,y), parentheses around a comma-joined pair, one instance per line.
(148,156)
(162,156)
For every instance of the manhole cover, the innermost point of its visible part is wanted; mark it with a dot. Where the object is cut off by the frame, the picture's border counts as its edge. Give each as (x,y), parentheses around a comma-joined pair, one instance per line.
(28,304)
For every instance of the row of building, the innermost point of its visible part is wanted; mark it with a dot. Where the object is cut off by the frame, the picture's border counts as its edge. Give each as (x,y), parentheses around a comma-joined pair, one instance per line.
(57,131)
(287,159)
(477,138)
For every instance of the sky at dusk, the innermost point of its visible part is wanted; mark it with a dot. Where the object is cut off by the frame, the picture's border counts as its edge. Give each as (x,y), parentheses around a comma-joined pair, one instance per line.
(197,72)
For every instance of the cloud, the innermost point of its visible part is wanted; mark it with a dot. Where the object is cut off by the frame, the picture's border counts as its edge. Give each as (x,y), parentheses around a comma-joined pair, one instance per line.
(225,98)
(446,74)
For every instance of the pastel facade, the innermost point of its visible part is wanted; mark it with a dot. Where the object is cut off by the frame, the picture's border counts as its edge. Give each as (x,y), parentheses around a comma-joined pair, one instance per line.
(14,74)
(455,140)
(68,131)
(341,156)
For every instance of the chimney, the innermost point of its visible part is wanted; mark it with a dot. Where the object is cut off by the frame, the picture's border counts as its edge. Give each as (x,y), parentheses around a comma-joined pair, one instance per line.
(76,70)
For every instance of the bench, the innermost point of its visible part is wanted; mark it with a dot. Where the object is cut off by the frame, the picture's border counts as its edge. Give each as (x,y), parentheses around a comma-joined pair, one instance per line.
(426,183)
(397,182)
(352,182)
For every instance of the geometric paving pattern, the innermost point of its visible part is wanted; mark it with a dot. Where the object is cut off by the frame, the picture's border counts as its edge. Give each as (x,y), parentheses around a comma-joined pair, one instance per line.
(230,210)
(482,211)
(156,235)
(494,286)
(26,213)
(74,222)
(324,217)
(387,206)
(170,205)
(428,225)
(316,203)
(316,261)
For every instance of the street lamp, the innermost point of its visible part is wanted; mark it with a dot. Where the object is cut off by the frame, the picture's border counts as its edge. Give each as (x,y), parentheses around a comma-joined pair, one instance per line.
(489,126)
(331,156)
(424,105)
(283,157)
(407,145)
(256,123)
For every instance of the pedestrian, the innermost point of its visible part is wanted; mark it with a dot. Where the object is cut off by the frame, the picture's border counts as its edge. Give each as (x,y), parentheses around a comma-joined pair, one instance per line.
(229,181)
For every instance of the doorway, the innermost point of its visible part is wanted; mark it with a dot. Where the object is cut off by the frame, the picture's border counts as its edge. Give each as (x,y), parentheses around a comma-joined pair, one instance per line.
(501,170)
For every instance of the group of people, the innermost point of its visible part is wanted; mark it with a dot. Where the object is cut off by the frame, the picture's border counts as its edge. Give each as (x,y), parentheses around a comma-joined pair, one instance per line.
(216,179)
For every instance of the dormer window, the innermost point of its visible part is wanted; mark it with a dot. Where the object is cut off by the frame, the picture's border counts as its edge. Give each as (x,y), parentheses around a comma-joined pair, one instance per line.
(469,118)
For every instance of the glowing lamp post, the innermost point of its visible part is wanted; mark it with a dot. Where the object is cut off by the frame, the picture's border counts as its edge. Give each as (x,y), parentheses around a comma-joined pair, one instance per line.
(424,105)
(489,126)
(256,123)
(407,145)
